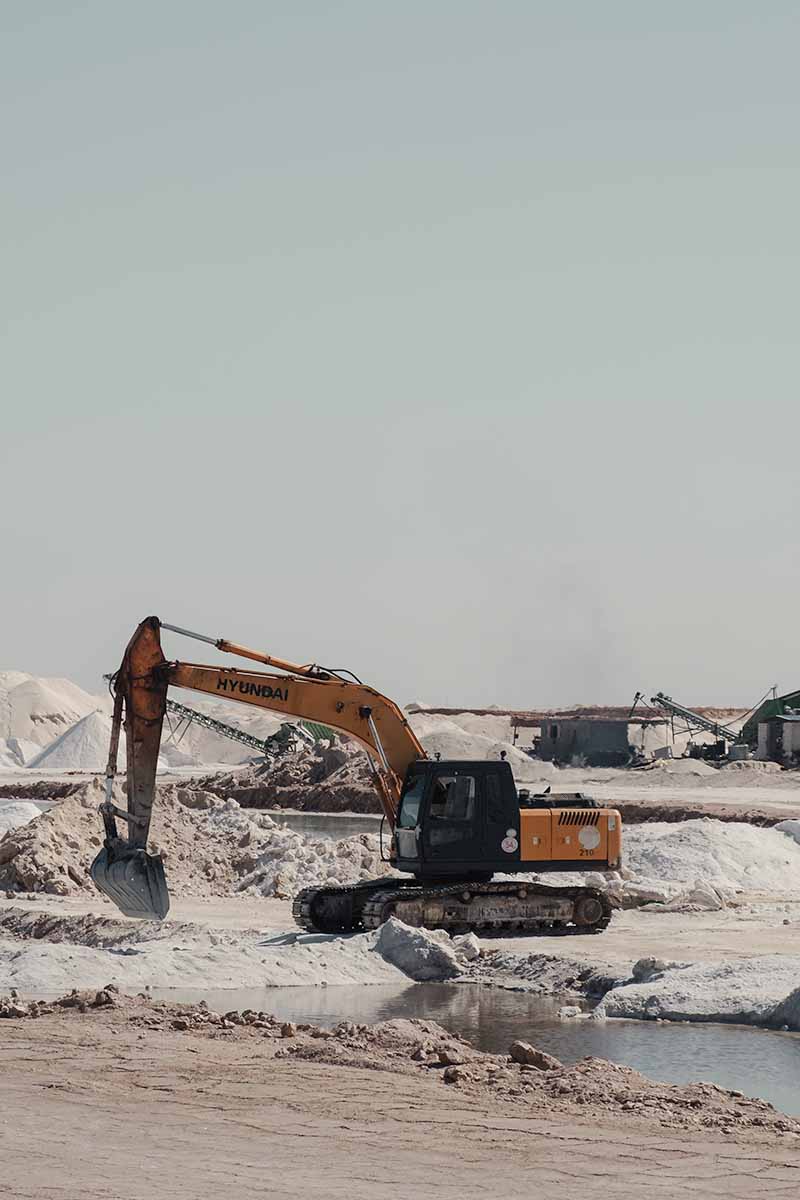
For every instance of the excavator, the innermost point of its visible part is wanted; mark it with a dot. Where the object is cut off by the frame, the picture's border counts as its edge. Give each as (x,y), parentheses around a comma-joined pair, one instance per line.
(454,825)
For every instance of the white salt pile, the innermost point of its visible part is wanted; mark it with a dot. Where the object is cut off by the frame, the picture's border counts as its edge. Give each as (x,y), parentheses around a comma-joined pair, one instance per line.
(752,991)
(191,956)
(701,864)
(16,813)
(16,753)
(276,861)
(791,828)
(82,747)
(35,710)
(36,714)
(731,856)
(441,735)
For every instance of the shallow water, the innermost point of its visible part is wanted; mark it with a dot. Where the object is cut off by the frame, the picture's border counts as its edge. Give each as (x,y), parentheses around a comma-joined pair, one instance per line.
(754,1061)
(325,825)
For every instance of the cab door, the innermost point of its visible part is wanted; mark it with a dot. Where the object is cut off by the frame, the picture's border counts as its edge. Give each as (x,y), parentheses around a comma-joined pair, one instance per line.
(453,825)
(407,827)
(502,817)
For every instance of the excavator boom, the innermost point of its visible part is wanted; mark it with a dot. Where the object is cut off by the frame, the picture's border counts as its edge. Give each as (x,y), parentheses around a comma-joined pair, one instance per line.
(134,879)
(123,869)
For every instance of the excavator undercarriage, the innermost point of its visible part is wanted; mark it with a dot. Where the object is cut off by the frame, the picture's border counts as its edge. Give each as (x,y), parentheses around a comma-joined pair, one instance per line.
(482,907)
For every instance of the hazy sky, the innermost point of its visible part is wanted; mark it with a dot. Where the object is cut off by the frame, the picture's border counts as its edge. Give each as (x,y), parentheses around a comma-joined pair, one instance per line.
(451,342)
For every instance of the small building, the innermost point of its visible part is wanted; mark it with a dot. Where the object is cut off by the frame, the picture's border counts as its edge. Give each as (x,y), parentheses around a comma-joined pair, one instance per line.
(599,737)
(779,738)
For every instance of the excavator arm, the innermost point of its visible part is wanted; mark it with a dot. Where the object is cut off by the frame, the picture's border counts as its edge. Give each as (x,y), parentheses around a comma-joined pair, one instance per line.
(134,879)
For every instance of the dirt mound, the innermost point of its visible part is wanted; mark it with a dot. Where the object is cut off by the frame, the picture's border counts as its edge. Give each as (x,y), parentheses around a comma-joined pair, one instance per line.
(320,778)
(83,929)
(338,777)
(640,812)
(532,1082)
(210,847)
(39,789)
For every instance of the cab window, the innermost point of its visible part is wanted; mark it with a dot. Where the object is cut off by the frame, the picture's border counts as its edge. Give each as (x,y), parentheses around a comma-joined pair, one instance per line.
(408,816)
(453,798)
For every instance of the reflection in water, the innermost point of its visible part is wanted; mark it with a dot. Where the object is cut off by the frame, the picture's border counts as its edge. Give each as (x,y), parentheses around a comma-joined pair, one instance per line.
(755,1061)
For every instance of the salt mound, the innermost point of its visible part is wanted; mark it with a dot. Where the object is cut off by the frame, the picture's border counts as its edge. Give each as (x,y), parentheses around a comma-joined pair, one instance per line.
(280,862)
(682,766)
(89,952)
(423,954)
(440,735)
(497,728)
(8,760)
(36,712)
(791,828)
(753,766)
(39,710)
(84,746)
(15,813)
(747,991)
(17,752)
(728,855)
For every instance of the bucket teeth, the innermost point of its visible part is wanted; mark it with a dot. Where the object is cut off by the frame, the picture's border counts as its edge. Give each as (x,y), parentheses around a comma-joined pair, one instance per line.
(134,880)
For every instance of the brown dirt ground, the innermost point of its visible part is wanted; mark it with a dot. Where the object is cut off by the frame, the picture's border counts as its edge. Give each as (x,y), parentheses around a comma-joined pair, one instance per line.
(138,1100)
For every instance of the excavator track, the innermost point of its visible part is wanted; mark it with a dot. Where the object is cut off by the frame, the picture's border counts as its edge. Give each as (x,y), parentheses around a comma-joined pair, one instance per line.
(489,908)
(334,909)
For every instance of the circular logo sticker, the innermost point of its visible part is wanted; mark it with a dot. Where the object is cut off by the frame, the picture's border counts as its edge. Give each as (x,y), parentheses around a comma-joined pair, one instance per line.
(509,844)
(589,837)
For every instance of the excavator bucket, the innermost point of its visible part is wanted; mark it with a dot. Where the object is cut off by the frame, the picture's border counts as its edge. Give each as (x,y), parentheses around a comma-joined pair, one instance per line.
(123,869)
(134,880)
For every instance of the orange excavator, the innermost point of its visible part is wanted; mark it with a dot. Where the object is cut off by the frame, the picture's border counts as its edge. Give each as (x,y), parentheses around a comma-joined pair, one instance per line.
(455,825)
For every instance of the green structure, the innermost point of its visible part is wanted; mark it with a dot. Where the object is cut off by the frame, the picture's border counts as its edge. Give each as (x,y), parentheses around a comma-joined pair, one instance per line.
(776,706)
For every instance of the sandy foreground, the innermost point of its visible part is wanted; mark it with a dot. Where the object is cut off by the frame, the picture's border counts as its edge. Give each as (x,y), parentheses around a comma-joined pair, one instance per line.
(134,1098)
(137,1100)
(116,1102)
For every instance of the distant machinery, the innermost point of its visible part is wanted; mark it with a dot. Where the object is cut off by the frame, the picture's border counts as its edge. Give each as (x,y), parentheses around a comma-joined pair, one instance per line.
(697,721)
(303,732)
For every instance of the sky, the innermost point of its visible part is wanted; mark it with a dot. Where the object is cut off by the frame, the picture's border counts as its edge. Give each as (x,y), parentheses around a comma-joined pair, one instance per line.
(453,343)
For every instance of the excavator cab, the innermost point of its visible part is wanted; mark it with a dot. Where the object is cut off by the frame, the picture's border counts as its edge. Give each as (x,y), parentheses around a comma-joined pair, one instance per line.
(467,819)
(454,815)
(457,817)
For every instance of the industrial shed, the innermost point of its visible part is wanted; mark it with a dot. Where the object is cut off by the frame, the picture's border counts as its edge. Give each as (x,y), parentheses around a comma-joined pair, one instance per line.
(775,706)
(779,738)
(600,737)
